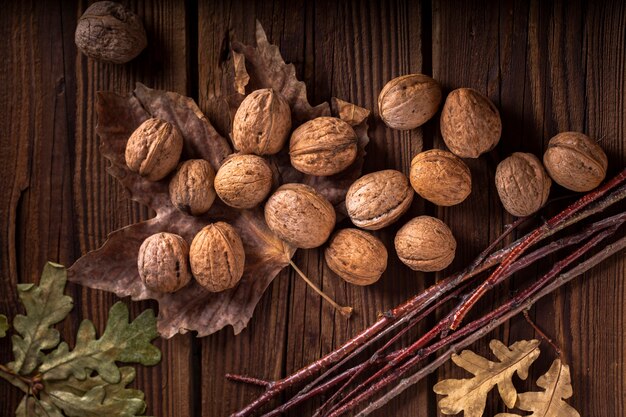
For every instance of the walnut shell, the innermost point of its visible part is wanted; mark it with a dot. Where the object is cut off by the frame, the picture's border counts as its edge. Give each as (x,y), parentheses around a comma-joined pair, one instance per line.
(378,199)
(153,149)
(440,177)
(299,215)
(109,32)
(575,162)
(522,183)
(217,257)
(262,123)
(323,146)
(409,101)
(425,244)
(191,188)
(243,181)
(163,262)
(470,123)
(356,256)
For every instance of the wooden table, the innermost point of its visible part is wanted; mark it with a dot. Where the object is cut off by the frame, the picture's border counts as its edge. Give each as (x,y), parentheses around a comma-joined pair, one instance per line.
(548,67)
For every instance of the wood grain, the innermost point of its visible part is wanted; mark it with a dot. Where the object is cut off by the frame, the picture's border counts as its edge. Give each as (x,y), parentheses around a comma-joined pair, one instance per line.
(548,66)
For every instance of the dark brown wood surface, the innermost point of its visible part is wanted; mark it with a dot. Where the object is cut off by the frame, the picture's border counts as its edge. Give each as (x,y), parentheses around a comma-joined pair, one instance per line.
(548,66)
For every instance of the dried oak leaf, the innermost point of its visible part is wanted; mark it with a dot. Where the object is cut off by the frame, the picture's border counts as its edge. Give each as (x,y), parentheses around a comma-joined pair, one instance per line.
(557,387)
(113,267)
(4,325)
(470,395)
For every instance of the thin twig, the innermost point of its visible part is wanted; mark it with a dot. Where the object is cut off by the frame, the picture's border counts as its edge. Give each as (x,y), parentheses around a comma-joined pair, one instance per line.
(541,334)
(248,380)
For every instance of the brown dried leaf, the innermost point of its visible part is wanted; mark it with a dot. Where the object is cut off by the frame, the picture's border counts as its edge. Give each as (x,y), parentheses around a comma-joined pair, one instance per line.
(113,267)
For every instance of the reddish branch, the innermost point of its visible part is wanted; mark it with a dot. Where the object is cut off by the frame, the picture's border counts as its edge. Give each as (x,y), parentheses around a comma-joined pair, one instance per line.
(399,363)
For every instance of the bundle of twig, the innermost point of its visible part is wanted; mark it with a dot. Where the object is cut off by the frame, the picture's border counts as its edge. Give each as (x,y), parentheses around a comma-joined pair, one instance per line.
(376,379)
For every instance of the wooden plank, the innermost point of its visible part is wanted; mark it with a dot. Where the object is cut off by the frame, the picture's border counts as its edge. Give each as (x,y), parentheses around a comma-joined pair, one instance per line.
(34,158)
(101,204)
(347,50)
(61,201)
(540,64)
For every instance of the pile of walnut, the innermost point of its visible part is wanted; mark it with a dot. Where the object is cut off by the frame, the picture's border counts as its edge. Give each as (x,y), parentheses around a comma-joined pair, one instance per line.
(470,126)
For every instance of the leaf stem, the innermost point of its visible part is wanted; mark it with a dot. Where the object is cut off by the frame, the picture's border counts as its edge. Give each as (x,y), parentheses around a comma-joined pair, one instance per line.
(345,311)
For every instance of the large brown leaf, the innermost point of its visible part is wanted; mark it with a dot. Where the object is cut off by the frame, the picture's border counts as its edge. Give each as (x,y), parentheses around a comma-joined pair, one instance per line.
(113,267)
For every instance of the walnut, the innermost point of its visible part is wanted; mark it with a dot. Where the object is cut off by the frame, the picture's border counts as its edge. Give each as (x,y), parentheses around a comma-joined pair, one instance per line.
(299,215)
(153,149)
(323,146)
(425,244)
(262,123)
(191,188)
(575,162)
(217,257)
(356,256)
(522,183)
(409,101)
(163,262)
(470,123)
(109,32)
(243,181)
(440,177)
(378,199)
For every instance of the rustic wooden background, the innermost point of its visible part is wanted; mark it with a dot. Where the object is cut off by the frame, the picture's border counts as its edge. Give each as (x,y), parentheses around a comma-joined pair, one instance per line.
(549,67)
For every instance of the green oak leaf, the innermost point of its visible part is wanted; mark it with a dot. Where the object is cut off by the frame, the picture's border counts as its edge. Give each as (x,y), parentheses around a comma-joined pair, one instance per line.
(121,341)
(45,306)
(95,397)
(4,325)
(33,407)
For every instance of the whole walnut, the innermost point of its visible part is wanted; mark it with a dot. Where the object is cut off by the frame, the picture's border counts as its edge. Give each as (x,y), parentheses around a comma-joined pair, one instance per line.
(522,183)
(409,101)
(217,257)
(470,123)
(425,244)
(109,32)
(440,177)
(163,262)
(243,181)
(378,199)
(575,162)
(299,215)
(356,256)
(154,148)
(323,146)
(262,123)
(191,188)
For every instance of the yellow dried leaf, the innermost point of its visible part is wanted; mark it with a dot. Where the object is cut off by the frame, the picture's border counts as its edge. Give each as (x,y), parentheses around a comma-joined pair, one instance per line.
(557,387)
(470,395)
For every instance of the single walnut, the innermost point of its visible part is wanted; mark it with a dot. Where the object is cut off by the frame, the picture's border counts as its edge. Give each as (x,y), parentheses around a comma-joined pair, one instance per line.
(323,146)
(153,149)
(409,101)
(109,32)
(191,188)
(299,215)
(522,183)
(440,177)
(163,262)
(470,123)
(243,181)
(575,162)
(217,257)
(356,256)
(378,199)
(262,123)
(425,244)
